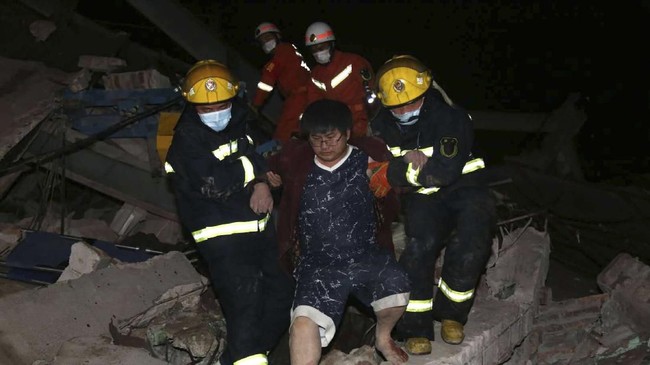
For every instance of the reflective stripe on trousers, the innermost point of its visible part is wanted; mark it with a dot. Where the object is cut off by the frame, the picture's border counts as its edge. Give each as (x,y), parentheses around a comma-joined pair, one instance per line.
(257,359)
(230,228)
(417,306)
(455,296)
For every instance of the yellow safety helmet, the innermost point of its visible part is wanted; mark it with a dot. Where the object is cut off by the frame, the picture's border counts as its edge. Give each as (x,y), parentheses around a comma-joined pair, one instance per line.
(401,80)
(208,82)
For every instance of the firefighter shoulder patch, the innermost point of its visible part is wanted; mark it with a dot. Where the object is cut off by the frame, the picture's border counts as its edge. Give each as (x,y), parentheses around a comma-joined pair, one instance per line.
(270,66)
(449,147)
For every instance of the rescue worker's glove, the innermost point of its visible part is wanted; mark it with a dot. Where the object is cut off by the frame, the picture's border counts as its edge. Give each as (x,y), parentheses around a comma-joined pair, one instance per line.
(378,180)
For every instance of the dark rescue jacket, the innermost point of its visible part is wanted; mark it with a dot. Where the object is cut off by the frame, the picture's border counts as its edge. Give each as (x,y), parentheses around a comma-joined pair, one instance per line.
(210,172)
(443,133)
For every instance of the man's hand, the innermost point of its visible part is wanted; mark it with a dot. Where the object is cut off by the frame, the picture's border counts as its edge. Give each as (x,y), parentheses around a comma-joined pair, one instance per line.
(261,199)
(417,158)
(274,179)
(378,180)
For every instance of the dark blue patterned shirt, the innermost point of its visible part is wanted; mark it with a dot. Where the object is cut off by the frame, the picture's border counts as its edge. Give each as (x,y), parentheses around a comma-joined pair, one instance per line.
(337,218)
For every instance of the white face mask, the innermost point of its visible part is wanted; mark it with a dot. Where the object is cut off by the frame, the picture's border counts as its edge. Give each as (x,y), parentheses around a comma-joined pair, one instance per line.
(218,120)
(322,57)
(407,118)
(269,46)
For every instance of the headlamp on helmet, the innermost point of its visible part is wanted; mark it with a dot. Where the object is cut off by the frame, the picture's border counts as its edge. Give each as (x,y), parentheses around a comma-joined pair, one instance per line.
(402,80)
(209,82)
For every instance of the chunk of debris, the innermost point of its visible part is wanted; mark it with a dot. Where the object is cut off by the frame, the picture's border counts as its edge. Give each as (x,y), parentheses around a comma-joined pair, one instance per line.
(41,29)
(10,235)
(100,351)
(100,64)
(144,79)
(364,355)
(80,80)
(127,217)
(628,281)
(184,326)
(85,259)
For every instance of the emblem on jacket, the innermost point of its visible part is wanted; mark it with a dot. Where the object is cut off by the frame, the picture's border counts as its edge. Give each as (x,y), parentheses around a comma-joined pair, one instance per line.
(210,85)
(449,147)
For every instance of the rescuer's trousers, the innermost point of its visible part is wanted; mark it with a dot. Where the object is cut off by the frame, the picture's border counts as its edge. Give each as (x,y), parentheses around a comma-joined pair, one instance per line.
(255,295)
(462,221)
(289,121)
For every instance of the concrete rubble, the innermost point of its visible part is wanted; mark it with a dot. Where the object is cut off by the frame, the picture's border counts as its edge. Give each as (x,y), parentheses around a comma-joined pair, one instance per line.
(162,311)
(35,323)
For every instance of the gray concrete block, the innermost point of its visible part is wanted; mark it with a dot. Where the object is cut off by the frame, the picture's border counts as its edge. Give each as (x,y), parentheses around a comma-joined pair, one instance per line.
(36,322)
(100,351)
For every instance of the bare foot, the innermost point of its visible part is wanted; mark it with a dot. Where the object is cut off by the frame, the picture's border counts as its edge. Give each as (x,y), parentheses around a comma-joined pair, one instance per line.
(392,352)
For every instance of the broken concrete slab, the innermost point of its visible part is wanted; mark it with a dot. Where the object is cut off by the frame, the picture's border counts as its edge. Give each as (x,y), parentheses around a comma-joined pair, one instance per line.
(628,282)
(144,79)
(35,323)
(623,270)
(21,114)
(100,351)
(100,63)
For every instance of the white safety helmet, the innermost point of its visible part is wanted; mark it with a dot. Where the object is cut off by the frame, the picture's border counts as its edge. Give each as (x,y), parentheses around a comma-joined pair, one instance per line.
(266,28)
(318,33)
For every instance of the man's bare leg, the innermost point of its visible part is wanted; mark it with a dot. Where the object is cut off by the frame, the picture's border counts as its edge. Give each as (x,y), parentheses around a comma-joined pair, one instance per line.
(304,342)
(386,319)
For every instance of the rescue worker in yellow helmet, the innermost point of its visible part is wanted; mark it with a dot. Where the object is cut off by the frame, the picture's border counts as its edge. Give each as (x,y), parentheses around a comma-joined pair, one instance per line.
(212,165)
(444,201)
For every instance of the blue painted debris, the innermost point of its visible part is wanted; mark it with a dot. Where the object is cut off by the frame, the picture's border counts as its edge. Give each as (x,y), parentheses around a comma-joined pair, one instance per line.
(92,111)
(41,256)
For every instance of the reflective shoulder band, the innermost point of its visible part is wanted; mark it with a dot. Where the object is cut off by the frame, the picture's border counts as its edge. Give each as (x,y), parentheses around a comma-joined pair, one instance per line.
(420,305)
(428,151)
(336,80)
(428,191)
(473,165)
(264,87)
(319,84)
(249,172)
(168,168)
(455,296)
(395,151)
(225,150)
(412,175)
(230,228)
(257,359)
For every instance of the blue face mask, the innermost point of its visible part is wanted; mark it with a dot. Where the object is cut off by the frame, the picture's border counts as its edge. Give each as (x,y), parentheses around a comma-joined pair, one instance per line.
(407,118)
(218,120)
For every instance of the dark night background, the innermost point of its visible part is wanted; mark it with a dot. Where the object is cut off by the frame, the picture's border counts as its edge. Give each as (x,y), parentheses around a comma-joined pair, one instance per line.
(499,55)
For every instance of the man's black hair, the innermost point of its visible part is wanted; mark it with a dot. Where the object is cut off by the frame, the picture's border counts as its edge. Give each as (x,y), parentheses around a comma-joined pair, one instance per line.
(323,116)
